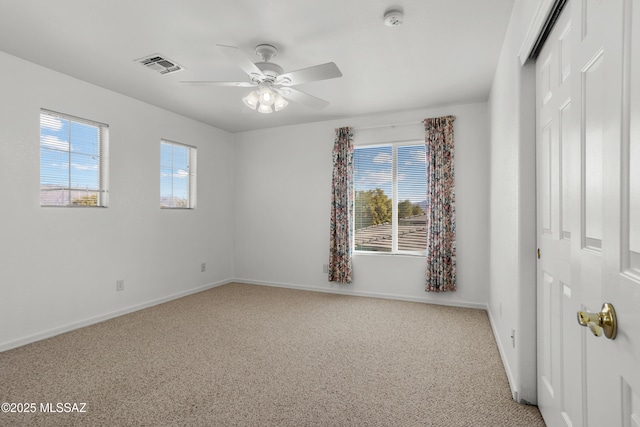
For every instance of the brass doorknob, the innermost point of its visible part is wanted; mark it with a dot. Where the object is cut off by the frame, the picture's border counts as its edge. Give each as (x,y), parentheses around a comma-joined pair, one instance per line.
(605,321)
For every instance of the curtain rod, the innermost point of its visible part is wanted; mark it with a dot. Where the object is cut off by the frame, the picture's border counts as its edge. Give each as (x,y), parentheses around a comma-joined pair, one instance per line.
(392,125)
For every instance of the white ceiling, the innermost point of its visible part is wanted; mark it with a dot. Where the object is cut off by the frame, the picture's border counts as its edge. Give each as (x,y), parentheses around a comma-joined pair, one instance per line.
(445,52)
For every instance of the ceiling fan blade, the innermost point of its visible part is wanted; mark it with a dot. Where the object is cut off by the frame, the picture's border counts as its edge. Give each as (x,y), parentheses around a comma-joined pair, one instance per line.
(210,83)
(241,60)
(300,97)
(311,74)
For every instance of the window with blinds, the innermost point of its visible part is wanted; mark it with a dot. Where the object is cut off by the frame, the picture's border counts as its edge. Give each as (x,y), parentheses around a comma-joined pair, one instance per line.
(390,184)
(73,161)
(177,175)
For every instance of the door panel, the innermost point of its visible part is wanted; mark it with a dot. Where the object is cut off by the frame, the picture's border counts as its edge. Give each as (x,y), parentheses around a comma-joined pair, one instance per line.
(590,118)
(623,282)
(555,135)
(593,85)
(589,9)
(599,57)
(548,372)
(571,399)
(565,136)
(546,179)
(631,403)
(632,142)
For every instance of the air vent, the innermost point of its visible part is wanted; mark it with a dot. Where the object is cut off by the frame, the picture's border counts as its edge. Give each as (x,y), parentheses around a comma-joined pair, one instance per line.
(160,63)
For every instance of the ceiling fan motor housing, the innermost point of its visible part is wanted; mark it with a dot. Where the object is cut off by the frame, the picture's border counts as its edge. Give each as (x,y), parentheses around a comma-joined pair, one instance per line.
(270,70)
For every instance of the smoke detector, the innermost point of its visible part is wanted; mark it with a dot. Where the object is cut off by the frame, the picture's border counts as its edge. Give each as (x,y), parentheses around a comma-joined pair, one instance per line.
(393,18)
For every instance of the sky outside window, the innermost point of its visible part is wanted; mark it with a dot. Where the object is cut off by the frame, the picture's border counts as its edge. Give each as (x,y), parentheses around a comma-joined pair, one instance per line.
(69,161)
(174,175)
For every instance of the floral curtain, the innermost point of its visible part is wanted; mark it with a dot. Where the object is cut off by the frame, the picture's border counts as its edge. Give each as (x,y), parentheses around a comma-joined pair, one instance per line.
(340,250)
(441,205)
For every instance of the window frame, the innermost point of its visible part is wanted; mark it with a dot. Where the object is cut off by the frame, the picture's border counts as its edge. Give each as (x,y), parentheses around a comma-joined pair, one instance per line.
(394,198)
(102,199)
(191,175)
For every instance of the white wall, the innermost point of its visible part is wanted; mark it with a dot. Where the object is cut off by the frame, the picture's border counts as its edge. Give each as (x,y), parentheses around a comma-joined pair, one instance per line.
(512,296)
(59,266)
(282,207)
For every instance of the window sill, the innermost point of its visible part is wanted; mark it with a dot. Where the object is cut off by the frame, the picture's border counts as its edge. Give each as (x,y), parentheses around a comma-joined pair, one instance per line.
(392,254)
(176,209)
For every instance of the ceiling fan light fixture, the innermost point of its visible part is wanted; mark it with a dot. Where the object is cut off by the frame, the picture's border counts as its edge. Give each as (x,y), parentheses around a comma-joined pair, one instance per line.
(266,96)
(279,102)
(265,100)
(265,109)
(251,100)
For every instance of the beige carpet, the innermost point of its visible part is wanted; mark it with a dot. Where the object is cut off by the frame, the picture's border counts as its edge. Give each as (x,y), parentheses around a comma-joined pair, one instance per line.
(258,356)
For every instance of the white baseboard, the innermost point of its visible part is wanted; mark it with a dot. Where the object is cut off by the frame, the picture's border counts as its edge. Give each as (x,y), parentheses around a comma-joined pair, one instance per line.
(507,368)
(343,290)
(101,318)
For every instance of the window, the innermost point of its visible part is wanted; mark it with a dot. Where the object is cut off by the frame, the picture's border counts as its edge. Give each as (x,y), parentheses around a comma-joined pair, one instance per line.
(390,198)
(73,161)
(177,175)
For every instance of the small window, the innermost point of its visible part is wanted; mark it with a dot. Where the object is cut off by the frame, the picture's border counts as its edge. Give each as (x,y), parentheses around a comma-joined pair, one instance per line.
(73,161)
(177,175)
(390,198)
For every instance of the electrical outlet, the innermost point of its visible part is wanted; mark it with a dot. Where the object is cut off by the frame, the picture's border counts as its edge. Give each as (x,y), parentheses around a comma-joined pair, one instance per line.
(325,268)
(513,338)
(119,285)
(203,267)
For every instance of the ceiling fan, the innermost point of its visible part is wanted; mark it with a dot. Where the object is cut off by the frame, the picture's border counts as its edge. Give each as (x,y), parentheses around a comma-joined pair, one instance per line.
(273,86)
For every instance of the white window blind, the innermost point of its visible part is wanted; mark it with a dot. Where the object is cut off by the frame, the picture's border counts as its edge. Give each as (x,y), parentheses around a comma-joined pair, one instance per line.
(73,161)
(390,198)
(177,175)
